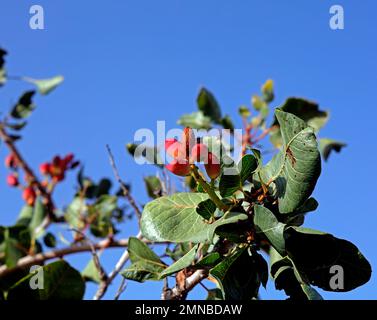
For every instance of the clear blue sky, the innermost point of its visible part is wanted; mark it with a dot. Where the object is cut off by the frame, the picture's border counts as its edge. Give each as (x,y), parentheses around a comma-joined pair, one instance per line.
(128,64)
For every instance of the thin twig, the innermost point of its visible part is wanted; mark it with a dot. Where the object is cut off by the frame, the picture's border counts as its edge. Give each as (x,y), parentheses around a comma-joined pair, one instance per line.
(122,287)
(118,267)
(126,191)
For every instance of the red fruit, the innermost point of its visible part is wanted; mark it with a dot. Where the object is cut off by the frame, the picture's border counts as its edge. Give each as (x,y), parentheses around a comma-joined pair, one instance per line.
(59,177)
(12,180)
(68,158)
(44,168)
(213,167)
(11,161)
(29,196)
(179,169)
(199,153)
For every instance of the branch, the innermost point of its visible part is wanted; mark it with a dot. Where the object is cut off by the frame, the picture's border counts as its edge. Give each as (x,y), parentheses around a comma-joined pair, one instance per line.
(40,258)
(33,178)
(118,267)
(178,293)
(126,191)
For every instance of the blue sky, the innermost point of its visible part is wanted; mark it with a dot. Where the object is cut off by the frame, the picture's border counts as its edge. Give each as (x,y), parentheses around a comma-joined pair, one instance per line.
(128,64)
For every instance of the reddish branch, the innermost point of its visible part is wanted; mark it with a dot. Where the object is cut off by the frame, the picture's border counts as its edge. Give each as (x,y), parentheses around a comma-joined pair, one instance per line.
(46,196)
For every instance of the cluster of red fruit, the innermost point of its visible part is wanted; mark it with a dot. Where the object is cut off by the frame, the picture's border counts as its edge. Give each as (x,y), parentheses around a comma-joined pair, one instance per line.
(55,170)
(188,151)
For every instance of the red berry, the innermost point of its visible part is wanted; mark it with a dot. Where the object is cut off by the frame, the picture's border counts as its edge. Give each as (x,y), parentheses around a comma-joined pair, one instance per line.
(12,180)
(213,167)
(179,168)
(29,196)
(199,153)
(11,161)
(68,158)
(44,168)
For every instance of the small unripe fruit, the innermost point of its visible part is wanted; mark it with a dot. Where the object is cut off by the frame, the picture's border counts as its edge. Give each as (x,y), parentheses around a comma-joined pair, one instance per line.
(44,168)
(179,169)
(213,167)
(29,196)
(12,180)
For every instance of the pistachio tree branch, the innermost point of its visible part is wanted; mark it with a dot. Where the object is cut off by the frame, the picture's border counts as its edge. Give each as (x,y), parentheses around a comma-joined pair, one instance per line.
(180,293)
(125,189)
(8,141)
(118,267)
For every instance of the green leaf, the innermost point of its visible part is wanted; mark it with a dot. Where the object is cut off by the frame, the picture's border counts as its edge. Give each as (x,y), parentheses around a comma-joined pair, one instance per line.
(238,275)
(45,86)
(268,225)
(229,184)
(174,218)
(315,252)
(102,213)
(287,279)
(49,240)
(328,145)
(3,73)
(206,209)
(91,273)
(24,106)
(306,110)
(227,123)
(74,213)
(154,186)
(247,166)
(150,154)
(209,260)
(14,244)
(60,282)
(25,216)
(208,105)
(39,213)
(16,126)
(180,264)
(146,265)
(294,171)
(195,120)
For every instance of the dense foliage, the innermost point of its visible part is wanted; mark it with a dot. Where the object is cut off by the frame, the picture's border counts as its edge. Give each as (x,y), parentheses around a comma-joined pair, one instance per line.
(229,216)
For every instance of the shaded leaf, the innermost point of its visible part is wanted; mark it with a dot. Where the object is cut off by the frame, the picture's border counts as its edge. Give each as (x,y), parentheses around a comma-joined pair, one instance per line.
(3,78)
(49,240)
(154,186)
(145,264)
(268,225)
(315,252)
(208,105)
(24,106)
(238,275)
(180,264)
(60,282)
(328,145)
(247,166)
(206,209)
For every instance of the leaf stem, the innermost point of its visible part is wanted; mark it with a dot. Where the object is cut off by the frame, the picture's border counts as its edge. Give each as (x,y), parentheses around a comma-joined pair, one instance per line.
(207,188)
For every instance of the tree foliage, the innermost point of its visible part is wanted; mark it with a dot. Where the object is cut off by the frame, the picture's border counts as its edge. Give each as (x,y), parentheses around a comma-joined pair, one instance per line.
(220,226)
